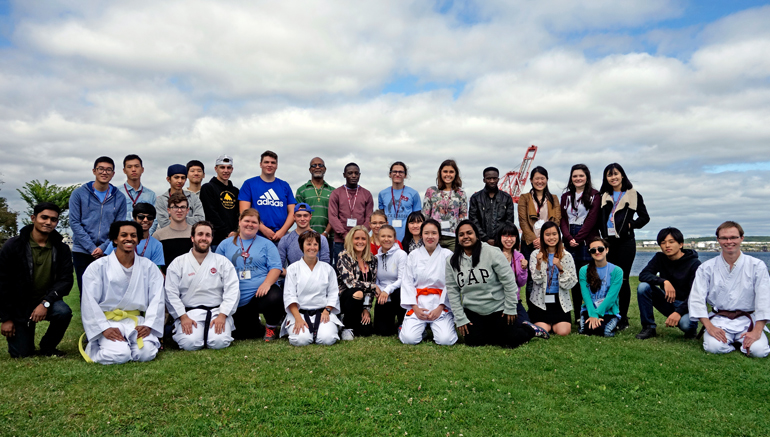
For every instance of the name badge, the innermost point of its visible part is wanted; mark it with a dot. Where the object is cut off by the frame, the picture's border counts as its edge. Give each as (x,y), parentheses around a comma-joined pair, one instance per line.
(246,274)
(611,232)
(397,223)
(445,224)
(550,298)
(352,222)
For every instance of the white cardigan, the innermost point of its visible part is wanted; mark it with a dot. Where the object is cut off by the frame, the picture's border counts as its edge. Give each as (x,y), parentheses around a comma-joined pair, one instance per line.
(567,280)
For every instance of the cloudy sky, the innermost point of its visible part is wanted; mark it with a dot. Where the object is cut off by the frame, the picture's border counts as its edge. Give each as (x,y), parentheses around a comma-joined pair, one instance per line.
(678,92)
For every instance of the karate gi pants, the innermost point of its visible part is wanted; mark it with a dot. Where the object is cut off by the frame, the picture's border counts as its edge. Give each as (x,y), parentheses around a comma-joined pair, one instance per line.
(104,351)
(194,341)
(443,329)
(328,333)
(493,329)
(733,330)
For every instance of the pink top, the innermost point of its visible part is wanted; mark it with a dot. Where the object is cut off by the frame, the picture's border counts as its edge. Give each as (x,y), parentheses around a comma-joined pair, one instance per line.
(521,273)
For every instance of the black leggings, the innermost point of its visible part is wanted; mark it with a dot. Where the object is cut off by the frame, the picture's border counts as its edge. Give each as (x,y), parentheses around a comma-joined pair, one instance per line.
(577,294)
(246,318)
(622,254)
(493,329)
(351,309)
(385,314)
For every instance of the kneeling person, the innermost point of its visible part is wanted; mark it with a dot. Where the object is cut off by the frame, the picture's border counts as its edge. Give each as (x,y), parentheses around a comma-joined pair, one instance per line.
(122,303)
(311,296)
(202,294)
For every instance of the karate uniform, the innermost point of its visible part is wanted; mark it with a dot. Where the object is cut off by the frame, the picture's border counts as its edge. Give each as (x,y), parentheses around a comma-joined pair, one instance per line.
(745,288)
(110,288)
(312,290)
(202,291)
(424,272)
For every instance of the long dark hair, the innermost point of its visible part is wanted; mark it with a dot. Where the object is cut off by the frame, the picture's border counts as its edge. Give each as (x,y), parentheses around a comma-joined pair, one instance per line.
(457,183)
(585,199)
(592,276)
(546,194)
(559,246)
(625,185)
(508,230)
(415,216)
(475,254)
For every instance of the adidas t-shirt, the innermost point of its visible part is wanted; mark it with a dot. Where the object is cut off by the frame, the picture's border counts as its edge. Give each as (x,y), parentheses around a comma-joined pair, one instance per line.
(271,199)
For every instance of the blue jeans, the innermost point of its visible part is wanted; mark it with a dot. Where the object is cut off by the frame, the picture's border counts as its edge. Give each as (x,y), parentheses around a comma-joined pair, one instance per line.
(23,343)
(606,329)
(649,297)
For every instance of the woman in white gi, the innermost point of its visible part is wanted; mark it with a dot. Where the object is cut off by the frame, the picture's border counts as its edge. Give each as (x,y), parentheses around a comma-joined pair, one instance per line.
(553,276)
(423,291)
(311,296)
(122,302)
(391,267)
(202,294)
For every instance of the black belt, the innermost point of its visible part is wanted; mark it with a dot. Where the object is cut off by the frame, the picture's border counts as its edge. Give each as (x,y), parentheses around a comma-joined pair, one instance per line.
(207,323)
(313,326)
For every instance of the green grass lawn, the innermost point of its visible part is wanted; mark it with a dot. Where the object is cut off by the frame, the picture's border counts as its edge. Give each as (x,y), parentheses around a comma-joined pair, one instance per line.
(377,386)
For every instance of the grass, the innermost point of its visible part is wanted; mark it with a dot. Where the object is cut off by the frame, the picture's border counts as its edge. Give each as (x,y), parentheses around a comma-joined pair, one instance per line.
(376,386)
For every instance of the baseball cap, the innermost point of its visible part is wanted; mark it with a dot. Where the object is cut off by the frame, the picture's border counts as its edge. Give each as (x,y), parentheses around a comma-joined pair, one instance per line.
(303,207)
(224,159)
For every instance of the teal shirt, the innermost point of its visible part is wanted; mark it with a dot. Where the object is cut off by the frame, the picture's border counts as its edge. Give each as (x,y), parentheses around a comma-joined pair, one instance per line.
(610,303)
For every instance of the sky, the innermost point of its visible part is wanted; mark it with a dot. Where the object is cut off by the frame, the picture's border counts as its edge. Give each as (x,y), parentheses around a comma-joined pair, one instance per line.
(677,92)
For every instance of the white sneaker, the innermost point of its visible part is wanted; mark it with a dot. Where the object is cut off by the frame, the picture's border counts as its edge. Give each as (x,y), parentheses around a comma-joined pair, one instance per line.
(347,334)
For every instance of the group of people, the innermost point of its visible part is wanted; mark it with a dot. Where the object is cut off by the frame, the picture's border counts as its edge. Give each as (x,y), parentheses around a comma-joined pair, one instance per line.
(199,265)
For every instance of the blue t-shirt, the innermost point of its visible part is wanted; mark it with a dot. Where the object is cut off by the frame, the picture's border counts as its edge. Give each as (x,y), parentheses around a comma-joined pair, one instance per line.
(101,194)
(616,195)
(553,280)
(263,257)
(153,252)
(271,199)
(407,200)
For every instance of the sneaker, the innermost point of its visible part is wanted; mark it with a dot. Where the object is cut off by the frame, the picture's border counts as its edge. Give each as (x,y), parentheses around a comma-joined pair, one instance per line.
(646,333)
(347,334)
(52,353)
(690,335)
(622,324)
(539,332)
(270,334)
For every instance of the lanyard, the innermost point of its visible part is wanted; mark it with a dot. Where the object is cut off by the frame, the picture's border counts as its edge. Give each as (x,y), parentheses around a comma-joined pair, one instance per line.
(245,252)
(138,193)
(393,197)
(146,243)
(615,206)
(355,198)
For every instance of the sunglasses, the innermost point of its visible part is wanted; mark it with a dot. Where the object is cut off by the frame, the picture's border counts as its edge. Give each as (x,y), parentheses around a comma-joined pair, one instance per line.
(599,249)
(143,217)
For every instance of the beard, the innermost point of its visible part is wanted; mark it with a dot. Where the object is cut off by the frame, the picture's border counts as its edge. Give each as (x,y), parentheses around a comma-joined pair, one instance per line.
(201,247)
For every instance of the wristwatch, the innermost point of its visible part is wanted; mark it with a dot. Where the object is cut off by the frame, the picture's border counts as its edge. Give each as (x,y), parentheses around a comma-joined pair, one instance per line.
(46,304)
(328,310)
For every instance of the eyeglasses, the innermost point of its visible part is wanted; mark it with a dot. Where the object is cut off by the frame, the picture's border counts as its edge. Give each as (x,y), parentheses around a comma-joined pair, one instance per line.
(398,172)
(104,170)
(729,238)
(143,217)
(178,208)
(599,249)
(317,166)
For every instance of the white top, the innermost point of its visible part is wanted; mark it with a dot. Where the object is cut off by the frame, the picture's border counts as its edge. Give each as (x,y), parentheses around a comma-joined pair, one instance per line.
(391,267)
(311,289)
(425,271)
(576,216)
(213,283)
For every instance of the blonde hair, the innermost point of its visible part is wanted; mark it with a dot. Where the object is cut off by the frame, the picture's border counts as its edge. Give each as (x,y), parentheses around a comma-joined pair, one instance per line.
(367,255)
(245,213)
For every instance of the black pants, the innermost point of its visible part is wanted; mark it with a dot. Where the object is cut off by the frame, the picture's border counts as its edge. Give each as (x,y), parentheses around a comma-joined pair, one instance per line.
(385,314)
(622,254)
(23,343)
(81,261)
(526,250)
(246,318)
(351,309)
(577,295)
(494,330)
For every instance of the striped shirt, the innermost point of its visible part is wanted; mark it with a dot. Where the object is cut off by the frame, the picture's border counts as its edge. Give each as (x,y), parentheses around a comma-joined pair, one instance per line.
(318,199)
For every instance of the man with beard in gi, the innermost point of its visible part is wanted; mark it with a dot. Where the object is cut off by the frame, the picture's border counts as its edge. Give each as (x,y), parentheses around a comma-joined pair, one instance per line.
(202,294)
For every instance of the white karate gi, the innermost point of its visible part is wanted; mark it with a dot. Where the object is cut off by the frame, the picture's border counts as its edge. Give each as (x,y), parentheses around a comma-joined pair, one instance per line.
(426,271)
(311,290)
(746,288)
(213,284)
(108,286)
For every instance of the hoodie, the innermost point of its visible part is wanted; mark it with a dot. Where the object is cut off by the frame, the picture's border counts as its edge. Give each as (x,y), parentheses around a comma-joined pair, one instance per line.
(681,274)
(391,267)
(90,219)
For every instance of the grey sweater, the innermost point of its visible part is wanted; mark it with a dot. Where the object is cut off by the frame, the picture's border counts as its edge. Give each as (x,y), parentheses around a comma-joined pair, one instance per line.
(485,289)
(194,215)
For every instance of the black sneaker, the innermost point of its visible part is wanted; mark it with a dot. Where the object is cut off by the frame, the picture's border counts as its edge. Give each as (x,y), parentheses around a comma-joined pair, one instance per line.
(647,333)
(622,324)
(52,353)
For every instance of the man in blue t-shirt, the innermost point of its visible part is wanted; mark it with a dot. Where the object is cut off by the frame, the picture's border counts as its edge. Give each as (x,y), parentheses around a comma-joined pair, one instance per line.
(148,247)
(271,197)
(398,200)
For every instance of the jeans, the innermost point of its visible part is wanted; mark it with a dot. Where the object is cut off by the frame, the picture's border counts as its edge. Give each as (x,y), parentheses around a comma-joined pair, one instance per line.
(23,343)
(606,329)
(649,297)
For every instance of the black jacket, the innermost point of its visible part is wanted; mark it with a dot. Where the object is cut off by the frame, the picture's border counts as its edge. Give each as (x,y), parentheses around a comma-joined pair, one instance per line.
(489,214)
(220,204)
(631,203)
(680,273)
(16,276)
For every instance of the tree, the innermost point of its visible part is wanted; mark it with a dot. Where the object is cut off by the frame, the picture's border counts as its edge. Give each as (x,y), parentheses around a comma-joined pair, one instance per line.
(8,224)
(35,192)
